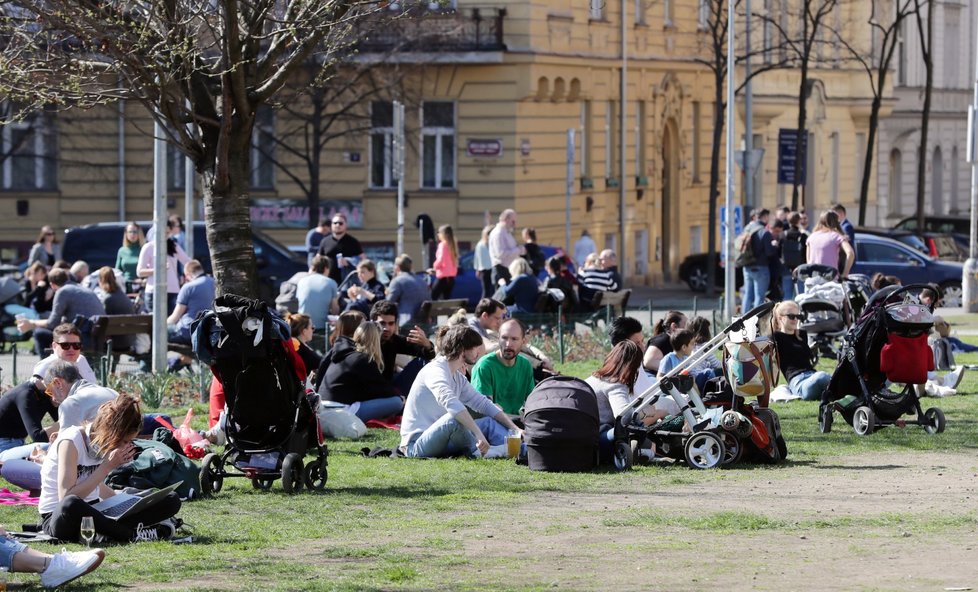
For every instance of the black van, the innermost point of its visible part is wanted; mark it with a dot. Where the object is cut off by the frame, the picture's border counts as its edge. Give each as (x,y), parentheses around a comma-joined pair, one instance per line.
(98,245)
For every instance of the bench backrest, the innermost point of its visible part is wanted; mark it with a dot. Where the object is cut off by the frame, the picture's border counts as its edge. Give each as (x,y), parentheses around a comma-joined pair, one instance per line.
(617,300)
(432,309)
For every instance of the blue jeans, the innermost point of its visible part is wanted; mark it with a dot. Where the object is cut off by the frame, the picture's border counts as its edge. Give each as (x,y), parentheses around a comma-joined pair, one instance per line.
(958,345)
(405,378)
(23,451)
(757,279)
(9,548)
(809,385)
(379,408)
(787,287)
(22,473)
(8,443)
(447,437)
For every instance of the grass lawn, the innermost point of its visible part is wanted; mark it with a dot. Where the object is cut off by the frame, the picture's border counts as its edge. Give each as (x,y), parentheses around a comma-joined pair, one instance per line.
(388,524)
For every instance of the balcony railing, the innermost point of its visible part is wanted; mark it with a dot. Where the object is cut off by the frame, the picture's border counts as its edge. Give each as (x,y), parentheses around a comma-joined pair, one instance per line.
(433,31)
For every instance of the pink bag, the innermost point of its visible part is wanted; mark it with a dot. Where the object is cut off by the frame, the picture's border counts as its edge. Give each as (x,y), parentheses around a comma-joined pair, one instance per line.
(193,444)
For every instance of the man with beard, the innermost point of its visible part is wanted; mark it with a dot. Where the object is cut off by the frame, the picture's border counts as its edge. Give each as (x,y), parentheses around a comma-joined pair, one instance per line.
(505,376)
(436,421)
(416,344)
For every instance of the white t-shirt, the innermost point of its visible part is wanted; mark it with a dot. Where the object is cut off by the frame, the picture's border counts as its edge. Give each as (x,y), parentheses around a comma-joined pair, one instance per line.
(82,403)
(87,465)
(83,368)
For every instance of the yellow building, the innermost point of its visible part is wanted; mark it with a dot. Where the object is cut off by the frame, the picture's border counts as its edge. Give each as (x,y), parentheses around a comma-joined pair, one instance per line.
(495,93)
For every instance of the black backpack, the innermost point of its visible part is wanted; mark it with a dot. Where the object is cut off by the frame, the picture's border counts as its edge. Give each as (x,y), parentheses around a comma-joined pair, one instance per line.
(561,426)
(793,248)
(744,256)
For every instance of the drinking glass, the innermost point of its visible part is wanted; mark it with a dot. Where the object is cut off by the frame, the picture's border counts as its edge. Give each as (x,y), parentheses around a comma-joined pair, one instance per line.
(88,530)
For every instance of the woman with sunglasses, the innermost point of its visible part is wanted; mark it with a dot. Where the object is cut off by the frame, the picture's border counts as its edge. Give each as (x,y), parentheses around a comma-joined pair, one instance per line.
(46,249)
(794,354)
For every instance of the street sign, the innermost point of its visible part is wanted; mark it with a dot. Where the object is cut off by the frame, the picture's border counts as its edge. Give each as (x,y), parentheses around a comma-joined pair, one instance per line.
(787,155)
(755,160)
(492,148)
(738,222)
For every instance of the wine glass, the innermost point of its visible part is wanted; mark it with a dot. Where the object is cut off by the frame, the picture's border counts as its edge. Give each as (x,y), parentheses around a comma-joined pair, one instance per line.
(88,530)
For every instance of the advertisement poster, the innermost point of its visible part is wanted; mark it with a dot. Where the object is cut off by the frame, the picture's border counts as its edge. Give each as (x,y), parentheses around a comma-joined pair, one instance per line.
(294,213)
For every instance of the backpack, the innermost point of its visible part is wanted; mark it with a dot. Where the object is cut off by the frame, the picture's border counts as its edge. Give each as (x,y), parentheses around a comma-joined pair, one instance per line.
(793,248)
(287,300)
(745,246)
(561,425)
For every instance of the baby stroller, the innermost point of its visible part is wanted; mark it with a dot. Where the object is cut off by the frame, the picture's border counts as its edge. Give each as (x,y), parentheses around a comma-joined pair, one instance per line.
(10,305)
(825,306)
(270,420)
(717,434)
(887,343)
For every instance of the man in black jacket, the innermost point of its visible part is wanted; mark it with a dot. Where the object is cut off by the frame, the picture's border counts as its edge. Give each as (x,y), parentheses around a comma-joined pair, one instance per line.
(340,248)
(416,345)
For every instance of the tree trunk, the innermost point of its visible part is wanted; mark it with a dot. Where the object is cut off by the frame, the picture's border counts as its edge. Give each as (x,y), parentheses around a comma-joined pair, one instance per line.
(228,215)
(718,107)
(927,46)
(315,158)
(874,122)
(801,155)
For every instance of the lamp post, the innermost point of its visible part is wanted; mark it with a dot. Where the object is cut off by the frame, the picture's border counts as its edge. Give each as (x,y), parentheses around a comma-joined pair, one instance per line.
(969,281)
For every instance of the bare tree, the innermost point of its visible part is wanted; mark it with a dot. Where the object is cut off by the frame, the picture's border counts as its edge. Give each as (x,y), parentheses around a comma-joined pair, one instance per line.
(714,57)
(886,20)
(202,69)
(925,32)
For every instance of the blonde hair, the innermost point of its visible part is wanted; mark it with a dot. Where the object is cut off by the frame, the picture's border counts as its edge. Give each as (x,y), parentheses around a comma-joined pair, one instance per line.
(367,340)
(117,422)
(448,235)
(519,266)
(778,309)
(139,233)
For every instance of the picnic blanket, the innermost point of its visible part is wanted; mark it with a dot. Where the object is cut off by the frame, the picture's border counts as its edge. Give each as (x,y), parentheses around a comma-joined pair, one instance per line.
(16,498)
(391,423)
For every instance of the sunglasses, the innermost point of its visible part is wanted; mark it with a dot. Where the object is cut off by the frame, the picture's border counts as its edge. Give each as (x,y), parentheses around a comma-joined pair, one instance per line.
(794,317)
(338,223)
(69,344)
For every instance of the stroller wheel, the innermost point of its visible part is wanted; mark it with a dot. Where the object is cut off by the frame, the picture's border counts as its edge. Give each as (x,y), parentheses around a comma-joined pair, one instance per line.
(263,484)
(704,450)
(316,474)
(211,474)
(935,421)
(292,473)
(825,417)
(864,421)
(732,449)
(623,455)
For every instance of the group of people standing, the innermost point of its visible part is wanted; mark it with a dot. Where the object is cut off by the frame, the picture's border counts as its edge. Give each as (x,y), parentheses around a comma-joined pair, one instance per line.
(780,244)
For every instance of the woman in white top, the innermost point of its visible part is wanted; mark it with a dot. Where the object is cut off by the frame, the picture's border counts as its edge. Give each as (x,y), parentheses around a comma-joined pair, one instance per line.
(74,472)
(147,263)
(613,384)
(482,262)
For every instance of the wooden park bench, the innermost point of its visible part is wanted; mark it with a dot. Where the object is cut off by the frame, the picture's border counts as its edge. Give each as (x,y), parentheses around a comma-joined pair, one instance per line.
(432,309)
(107,327)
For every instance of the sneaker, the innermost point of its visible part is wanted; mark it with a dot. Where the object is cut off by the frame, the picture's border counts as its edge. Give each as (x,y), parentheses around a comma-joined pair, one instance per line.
(497,451)
(68,565)
(953,378)
(157,532)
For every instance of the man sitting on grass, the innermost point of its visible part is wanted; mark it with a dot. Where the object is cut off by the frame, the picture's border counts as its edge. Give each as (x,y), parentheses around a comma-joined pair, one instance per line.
(436,420)
(505,376)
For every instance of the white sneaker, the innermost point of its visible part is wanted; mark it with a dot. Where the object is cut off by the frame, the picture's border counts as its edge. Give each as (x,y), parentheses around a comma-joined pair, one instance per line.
(157,532)
(931,388)
(953,378)
(945,391)
(497,451)
(68,565)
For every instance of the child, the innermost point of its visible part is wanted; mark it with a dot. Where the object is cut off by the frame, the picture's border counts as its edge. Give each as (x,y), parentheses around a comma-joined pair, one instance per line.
(682,346)
(700,326)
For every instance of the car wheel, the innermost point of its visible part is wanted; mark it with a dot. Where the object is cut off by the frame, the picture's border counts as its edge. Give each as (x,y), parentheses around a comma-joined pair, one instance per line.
(953,296)
(697,279)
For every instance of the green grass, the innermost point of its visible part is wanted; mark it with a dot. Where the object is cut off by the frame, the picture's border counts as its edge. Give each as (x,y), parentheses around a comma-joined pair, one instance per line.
(398,524)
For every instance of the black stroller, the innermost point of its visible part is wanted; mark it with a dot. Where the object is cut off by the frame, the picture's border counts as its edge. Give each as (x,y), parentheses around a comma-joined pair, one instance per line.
(271,421)
(887,343)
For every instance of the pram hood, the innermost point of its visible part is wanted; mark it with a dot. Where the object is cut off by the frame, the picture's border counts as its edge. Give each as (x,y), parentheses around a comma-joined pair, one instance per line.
(9,289)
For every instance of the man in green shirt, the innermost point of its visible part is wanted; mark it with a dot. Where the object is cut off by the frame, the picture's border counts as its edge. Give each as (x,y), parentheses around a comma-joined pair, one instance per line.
(505,376)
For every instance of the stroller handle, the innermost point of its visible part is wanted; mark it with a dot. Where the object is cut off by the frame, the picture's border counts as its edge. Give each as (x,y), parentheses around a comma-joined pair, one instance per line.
(909,288)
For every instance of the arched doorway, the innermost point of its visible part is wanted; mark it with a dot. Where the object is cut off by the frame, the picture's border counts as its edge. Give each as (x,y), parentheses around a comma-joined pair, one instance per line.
(669,235)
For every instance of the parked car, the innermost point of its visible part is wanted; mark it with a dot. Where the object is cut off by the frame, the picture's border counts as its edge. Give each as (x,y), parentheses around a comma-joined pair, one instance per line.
(891,257)
(957,226)
(940,245)
(98,244)
(693,271)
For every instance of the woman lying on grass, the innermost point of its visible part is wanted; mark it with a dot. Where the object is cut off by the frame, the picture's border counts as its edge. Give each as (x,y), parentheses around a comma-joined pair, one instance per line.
(436,420)
(74,472)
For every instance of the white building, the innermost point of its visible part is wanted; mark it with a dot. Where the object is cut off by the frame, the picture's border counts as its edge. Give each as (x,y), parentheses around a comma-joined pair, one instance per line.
(947,180)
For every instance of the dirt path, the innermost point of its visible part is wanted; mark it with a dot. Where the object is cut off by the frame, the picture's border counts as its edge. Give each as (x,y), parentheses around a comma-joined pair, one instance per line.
(880,522)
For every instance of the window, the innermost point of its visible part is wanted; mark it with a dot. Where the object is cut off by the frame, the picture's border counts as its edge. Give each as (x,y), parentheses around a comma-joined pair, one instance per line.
(175,167)
(609,141)
(870,253)
(667,13)
(639,12)
(696,141)
(28,152)
(438,144)
(597,9)
(937,182)
(703,16)
(952,47)
(895,180)
(263,150)
(834,141)
(640,138)
(585,133)
(901,70)
(381,144)
(767,31)
(955,201)
(860,159)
